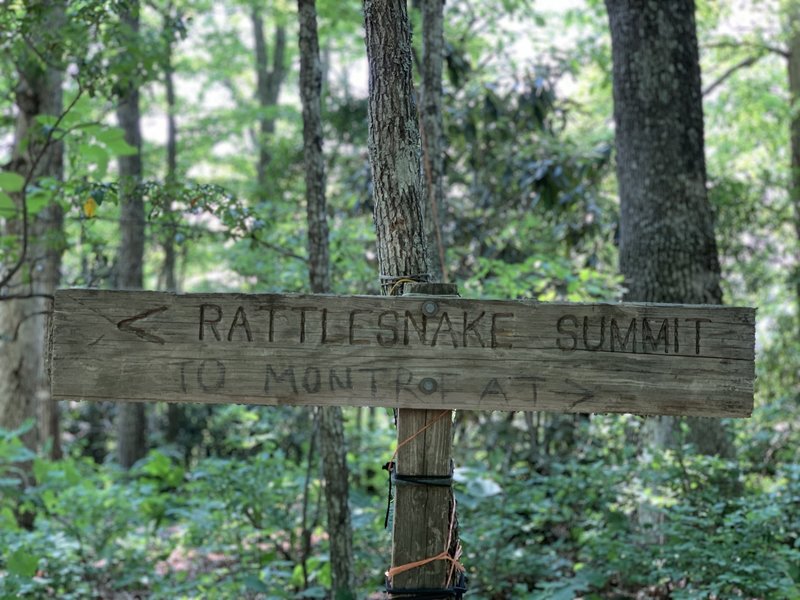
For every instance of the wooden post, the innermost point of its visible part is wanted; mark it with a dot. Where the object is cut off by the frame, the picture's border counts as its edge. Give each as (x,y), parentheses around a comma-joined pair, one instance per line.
(422,516)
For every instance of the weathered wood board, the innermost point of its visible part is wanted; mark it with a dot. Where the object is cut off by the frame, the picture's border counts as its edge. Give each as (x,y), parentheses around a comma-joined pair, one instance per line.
(408,352)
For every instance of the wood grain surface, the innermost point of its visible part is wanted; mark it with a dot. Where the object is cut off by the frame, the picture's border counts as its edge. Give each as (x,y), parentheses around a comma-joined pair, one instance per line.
(409,352)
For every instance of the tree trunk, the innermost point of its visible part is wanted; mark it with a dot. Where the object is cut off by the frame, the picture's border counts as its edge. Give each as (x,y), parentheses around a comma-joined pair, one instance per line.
(794,99)
(667,248)
(394,143)
(422,518)
(176,413)
(131,417)
(332,442)
(337,490)
(310,90)
(24,385)
(268,89)
(432,132)
(172,170)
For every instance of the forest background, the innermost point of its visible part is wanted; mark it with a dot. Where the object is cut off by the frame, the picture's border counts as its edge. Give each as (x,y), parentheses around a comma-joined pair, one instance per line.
(160,146)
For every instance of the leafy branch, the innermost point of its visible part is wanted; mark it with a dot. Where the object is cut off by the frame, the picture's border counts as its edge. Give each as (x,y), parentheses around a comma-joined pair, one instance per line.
(23,192)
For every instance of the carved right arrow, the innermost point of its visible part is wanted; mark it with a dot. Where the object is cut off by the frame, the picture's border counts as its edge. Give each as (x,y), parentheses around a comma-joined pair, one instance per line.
(585,393)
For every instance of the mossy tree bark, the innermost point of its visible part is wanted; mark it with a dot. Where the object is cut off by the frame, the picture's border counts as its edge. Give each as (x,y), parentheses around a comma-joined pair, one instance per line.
(668,252)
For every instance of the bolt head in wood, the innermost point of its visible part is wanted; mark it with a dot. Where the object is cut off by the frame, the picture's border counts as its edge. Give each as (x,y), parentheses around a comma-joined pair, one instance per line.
(428,385)
(429,308)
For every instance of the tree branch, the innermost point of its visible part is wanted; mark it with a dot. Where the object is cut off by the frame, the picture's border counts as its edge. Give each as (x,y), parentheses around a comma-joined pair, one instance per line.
(747,62)
(49,297)
(38,313)
(275,248)
(755,45)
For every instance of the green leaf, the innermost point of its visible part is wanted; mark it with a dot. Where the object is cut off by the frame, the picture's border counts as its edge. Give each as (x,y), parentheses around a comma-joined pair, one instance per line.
(109,134)
(41,469)
(8,522)
(98,195)
(254,584)
(7,206)
(21,563)
(114,140)
(37,202)
(11,182)
(120,148)
(159,466)
(26,426)
(297,576)
(47,120)
(79,112)
(93,153)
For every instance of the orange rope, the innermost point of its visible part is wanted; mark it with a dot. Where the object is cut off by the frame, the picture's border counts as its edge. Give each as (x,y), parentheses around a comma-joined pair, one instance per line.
(455,564)
(444,555)
(422,430)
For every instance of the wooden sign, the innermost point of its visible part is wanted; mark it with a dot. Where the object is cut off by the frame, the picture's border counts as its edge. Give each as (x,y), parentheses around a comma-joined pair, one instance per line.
(405,352)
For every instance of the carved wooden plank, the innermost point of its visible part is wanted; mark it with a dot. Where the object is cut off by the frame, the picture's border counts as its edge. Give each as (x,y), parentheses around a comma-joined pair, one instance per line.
(409,352)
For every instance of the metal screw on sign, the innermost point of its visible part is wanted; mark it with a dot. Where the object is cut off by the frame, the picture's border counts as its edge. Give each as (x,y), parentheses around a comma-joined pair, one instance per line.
(430,308)
(428,385)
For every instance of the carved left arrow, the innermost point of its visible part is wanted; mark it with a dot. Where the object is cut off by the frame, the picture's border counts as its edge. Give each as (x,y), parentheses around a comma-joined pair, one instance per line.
(127,325)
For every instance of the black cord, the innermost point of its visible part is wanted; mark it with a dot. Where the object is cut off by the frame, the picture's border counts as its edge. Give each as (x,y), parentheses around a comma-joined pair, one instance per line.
(432,480)
(397,479)
(389,466)
(456,591)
